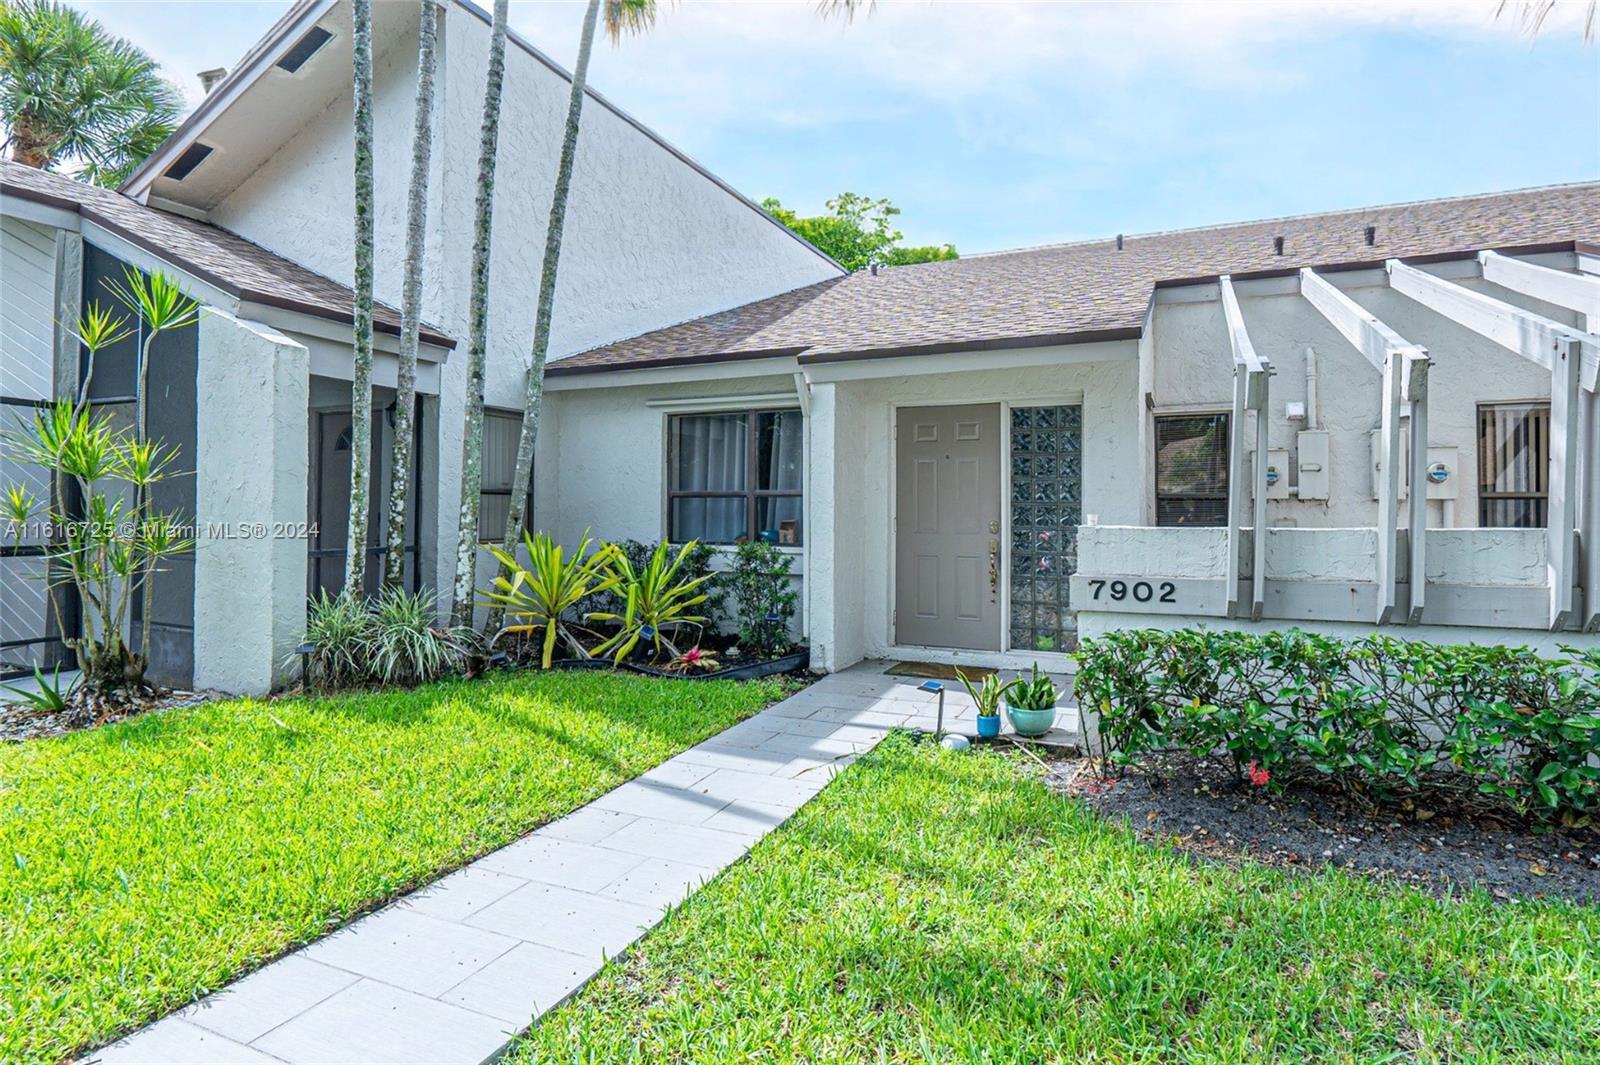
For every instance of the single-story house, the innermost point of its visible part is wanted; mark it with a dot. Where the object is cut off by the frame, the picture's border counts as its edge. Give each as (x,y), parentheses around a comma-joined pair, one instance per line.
(977,461)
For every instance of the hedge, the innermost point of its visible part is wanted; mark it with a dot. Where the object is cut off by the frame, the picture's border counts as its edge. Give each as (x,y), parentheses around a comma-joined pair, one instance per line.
(1376,716)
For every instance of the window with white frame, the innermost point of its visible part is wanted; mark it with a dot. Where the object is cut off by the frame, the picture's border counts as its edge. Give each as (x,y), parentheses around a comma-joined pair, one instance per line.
(736,475)
(1514,465)
(501,431)
(1192,469)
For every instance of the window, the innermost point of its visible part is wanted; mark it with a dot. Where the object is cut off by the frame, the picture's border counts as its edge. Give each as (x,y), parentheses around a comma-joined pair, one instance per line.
(735,476)
(1192,469)
(1514,465)
(501,430)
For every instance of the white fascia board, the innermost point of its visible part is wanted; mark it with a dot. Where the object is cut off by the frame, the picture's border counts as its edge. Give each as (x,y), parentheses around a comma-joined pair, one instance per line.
(964,361)
(134,255)
(311,325)
(783,365)
(257,62)
(42,214)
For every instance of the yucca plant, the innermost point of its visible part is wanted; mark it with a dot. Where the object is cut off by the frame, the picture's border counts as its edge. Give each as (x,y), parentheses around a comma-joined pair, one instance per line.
(655,598)
(540,594)
(404,643)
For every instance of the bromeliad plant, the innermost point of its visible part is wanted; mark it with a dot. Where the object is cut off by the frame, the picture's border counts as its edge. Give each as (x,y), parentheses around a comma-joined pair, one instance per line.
(656,598)
(542,594)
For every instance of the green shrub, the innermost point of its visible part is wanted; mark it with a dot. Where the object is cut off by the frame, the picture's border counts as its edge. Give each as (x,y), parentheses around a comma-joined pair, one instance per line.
(696,564)
(761,596)
(337,627)
(406,645)
(1377,716)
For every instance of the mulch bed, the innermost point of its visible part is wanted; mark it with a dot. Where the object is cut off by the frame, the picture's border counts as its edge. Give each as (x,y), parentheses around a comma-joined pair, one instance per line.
(1199,807)
(19,721)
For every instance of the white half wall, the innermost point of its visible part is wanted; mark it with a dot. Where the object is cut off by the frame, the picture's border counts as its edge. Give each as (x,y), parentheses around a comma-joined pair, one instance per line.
(250,555)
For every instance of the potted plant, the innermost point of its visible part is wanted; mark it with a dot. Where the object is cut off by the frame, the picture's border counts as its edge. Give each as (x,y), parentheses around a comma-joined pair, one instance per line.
(1030,703)
(987,697)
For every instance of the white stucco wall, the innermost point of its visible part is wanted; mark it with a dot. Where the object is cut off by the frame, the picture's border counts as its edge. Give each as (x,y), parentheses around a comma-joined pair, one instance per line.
(649,240)
(1192,367)
(250,561)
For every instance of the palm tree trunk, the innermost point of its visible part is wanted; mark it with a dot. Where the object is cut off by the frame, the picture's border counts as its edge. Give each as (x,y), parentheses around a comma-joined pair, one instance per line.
(477,343)
(355,559)
(394,559)
(30,145)
(547,295)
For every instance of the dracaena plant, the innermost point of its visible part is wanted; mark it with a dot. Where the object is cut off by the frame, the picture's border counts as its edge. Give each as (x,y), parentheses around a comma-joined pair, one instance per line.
(656,598)
(540,596)
(110,545)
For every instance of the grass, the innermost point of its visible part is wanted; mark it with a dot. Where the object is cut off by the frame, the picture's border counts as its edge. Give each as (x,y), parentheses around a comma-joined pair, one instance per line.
(146,863)
(939,907)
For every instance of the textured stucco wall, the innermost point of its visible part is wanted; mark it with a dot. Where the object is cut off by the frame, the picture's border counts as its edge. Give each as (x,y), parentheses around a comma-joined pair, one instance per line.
(250,581)
(864,487)
(1193,367)
(649,240)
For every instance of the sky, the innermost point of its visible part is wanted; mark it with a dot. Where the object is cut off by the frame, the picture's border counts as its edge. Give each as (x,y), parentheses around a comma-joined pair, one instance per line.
(1001,125)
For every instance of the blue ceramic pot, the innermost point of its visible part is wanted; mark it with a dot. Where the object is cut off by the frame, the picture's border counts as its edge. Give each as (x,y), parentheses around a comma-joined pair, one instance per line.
(1030,722)
(988,727)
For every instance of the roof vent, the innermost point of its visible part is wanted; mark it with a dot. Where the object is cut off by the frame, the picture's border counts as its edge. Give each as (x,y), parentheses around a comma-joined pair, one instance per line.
(192,157)
(1119,241)
(873,266)
(1277,245)
(209,79)
(304,49)
(1372,235)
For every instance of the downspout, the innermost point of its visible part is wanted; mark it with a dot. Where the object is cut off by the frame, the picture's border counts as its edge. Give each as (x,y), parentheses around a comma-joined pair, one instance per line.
(1313,415)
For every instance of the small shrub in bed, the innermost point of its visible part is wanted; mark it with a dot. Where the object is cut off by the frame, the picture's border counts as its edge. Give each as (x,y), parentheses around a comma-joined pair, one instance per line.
(1377,716)
(761,598)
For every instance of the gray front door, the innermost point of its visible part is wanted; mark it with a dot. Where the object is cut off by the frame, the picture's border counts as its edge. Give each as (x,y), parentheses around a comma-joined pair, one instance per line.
(947,528)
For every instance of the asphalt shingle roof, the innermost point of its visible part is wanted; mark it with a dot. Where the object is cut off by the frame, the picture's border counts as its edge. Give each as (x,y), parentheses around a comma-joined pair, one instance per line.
(226,260)
(1091,289)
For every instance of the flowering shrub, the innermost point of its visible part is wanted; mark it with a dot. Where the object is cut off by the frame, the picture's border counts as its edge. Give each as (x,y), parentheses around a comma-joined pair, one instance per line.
(1376,715)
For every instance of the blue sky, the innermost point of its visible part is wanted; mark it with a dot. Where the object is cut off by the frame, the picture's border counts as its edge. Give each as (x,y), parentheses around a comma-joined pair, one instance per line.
(998,125)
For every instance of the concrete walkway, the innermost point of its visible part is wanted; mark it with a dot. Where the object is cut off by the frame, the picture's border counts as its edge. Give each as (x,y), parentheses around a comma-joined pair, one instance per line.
(453,972)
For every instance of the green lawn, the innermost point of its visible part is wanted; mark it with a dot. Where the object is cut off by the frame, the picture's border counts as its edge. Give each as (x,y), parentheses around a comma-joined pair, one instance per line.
(146,863)
(941,907)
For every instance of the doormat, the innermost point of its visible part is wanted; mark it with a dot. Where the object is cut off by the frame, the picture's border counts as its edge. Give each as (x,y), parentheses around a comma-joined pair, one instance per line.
(937,671)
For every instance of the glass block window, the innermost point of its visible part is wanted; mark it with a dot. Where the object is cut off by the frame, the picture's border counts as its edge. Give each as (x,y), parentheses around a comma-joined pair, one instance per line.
(1192,469)
(1046,509)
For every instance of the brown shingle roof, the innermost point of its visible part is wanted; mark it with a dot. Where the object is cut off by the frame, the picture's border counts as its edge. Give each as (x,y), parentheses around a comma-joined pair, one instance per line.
(1087,290)
(226,260)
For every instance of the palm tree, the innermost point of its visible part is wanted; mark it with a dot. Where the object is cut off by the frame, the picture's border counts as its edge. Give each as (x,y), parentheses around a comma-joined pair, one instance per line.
(477,343)
(394,559)
(622,17)
(355,556)
(72,93)
(1531,15)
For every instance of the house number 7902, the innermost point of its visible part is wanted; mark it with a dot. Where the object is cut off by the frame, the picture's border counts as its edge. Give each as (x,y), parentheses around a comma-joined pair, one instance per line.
(1142,591)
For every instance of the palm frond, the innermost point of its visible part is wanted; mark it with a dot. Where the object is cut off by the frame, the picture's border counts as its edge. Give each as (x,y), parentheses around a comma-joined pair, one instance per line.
(629,18)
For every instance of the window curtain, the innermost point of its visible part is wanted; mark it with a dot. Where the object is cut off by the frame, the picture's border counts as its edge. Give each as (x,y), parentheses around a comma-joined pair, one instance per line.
(711,451)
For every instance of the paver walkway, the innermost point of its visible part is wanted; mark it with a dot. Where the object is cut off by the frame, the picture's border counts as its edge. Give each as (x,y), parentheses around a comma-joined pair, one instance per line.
(452,972)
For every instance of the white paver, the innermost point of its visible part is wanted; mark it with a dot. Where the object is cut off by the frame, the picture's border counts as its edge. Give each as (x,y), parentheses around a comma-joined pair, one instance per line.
(454,971)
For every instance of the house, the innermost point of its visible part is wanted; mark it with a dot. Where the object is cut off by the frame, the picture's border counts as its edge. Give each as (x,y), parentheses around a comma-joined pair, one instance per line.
(975,461)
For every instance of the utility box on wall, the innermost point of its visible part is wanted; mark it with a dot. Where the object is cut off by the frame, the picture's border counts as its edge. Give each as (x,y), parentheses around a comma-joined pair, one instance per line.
(1311,446)
(1444,468)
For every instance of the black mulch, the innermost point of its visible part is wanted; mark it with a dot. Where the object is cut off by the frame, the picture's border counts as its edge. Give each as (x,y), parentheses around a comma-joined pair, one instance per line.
(1197,806)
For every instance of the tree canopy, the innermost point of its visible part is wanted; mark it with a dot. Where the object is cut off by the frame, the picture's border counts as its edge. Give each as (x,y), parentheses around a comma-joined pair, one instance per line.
(858,232)
(72,93)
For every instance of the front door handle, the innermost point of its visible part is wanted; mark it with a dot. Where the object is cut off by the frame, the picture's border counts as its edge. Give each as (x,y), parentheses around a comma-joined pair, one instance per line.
(994,571)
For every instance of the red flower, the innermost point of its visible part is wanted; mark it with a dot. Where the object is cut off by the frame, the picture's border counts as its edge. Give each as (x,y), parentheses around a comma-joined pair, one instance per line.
(1258,775)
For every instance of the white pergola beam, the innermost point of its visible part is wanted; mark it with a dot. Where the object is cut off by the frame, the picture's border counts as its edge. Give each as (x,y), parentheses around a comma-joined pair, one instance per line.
(1530,335)
(1575,292)
(1404,366)
(1251,387)
(1565,395)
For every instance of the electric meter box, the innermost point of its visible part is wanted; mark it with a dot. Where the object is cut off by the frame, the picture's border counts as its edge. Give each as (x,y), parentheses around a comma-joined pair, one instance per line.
(1311,445)
(1444,468)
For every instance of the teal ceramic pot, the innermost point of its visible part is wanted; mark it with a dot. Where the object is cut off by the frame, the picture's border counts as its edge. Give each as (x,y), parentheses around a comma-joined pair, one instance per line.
(1030,722)
(989,727)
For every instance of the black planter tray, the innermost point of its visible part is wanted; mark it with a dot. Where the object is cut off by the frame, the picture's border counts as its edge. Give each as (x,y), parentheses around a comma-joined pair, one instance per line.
(768,667)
